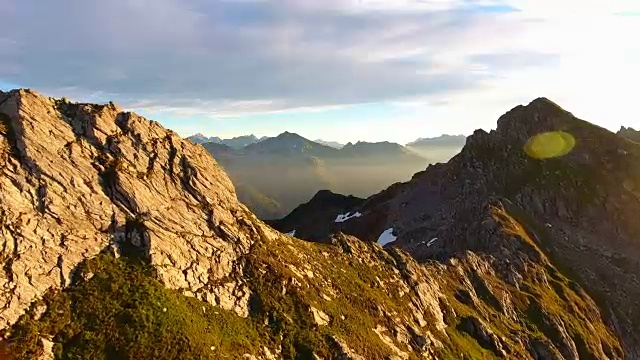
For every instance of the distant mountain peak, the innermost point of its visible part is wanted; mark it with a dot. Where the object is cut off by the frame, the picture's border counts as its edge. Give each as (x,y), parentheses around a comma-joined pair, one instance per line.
(288,134)
(545,102)
(333,144)
(442,140)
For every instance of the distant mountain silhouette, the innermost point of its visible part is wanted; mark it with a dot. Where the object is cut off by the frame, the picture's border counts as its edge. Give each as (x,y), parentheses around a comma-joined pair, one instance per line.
(238,142)
(290,144)
(443,140)
(201,139)
(333,144)
(378,150)
(277,174)
(438,149)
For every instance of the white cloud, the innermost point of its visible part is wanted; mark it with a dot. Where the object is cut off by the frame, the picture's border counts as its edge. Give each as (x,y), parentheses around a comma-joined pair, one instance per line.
(441,59)
(573,8)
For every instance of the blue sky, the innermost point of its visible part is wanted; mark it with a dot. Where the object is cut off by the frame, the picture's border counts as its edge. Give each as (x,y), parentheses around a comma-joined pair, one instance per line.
(342,70)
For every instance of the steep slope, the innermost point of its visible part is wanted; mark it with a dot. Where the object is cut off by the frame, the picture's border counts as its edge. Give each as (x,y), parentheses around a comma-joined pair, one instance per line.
(80,178)
(313,216)
(578,208)
(156,259)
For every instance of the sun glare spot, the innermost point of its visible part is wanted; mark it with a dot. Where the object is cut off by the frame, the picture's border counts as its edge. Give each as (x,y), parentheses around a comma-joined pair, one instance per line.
(550,144)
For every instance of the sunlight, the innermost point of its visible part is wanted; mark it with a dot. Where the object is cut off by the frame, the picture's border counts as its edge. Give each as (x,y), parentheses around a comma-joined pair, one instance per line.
(550,144)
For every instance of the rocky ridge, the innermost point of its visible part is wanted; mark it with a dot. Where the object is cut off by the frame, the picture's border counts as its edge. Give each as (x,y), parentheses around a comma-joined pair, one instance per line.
(79,178)
(106,215)
(629,133)
(578,209)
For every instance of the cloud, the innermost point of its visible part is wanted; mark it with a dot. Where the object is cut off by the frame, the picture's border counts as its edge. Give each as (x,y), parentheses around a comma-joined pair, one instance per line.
(229,58)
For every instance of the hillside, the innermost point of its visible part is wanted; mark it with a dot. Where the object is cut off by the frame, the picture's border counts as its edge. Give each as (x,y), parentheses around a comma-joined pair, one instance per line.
(122,240)
(576,209)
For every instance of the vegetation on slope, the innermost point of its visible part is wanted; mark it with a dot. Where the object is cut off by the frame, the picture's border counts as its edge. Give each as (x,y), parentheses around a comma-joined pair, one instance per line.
(309,297)
(121,312)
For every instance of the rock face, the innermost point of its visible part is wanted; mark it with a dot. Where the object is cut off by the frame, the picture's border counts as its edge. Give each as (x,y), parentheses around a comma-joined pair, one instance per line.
(78,178)
(472,275)
(577,209)
(629,133)
(313,216)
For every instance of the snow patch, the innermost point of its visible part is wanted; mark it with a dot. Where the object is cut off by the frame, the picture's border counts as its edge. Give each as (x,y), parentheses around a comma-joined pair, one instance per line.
(344,217)
(293,233)
(387,237)
(432,241)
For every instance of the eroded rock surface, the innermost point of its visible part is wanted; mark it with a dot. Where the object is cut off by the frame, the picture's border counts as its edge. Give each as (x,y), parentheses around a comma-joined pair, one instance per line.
(78,178)
(578,209)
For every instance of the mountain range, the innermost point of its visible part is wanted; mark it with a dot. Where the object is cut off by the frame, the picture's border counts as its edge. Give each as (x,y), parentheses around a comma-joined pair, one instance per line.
(275,175)
(333,144)
(121,240)
(440,148)
(237,142)
(444,141)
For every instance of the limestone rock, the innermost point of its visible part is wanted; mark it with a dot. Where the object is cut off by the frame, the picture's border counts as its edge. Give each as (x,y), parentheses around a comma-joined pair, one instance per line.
(76,178)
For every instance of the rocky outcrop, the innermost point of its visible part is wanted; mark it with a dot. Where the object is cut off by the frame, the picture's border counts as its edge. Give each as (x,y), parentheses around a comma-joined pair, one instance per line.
(576,208)
(629,133)
(79,178)
(309,220)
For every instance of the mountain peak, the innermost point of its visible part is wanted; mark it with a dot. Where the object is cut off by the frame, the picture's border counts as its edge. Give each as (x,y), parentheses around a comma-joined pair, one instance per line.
(126,172)
(539,116)
(288,134)
(544,102)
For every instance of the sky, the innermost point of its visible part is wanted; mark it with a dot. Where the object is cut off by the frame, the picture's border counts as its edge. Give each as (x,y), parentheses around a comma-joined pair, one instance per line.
(342,70)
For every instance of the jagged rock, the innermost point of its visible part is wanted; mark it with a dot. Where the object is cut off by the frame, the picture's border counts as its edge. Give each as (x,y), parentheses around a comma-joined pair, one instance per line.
(483,334)
(575,208)
(76,178)
(344,352)
(319,316)
(629,133)
(47,350)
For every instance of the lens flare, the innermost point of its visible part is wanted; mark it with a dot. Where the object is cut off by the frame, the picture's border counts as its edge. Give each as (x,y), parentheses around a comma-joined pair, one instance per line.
(550,144)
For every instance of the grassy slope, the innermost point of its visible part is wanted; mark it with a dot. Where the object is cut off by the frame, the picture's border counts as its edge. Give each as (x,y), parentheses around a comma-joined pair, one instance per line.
(123,313)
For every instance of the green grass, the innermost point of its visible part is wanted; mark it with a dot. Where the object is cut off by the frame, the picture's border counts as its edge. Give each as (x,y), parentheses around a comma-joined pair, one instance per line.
(289,314)
(123,313)
(563,300)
